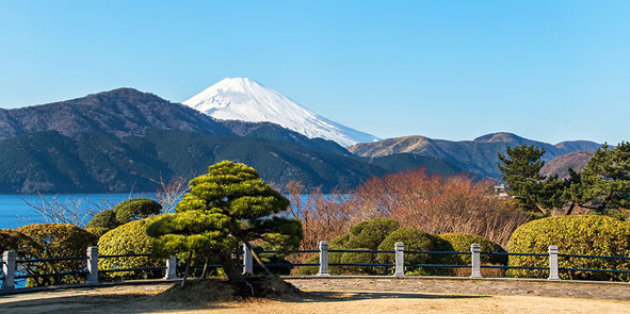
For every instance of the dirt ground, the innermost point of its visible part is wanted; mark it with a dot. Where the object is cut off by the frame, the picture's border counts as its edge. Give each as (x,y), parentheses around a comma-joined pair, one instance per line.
(346,296)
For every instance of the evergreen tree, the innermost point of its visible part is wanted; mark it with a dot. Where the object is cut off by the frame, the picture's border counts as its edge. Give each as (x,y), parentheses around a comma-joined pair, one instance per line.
(606,179)
(225,207)
(521,172)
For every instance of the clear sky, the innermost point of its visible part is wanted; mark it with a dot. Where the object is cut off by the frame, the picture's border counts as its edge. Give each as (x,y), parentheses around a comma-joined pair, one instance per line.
(546,70)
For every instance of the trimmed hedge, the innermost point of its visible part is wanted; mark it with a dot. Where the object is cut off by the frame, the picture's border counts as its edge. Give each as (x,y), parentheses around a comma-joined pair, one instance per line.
(105,219)
(97,231)
(579,234)
(135,209)
(416,240)
(130,238)
(56,240)
(369,234)
(12,240)
(461,243)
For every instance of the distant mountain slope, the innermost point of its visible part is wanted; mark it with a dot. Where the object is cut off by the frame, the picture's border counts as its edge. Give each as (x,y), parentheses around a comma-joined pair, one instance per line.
(97,162)
(477,156)
(560,165)
(272,131)
(406,161)
(247,100)
(119,112)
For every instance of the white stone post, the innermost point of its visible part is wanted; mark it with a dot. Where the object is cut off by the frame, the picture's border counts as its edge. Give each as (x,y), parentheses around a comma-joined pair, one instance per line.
(323,259)
(399,248)
(475,257)
(248,261)
(92,265)
(8,269)
(171,268)
(553,263)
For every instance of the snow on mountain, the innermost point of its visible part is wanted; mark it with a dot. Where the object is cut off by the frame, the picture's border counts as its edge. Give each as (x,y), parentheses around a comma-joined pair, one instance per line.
(247,100)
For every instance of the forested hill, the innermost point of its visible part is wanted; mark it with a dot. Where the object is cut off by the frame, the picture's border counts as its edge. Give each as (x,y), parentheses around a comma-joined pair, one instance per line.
(478,156)
(125,140)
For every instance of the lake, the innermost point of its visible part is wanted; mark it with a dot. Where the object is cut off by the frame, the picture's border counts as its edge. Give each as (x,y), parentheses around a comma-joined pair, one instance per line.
(15,211)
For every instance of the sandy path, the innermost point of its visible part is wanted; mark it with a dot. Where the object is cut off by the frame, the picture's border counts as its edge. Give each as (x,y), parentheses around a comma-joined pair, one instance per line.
(349,296)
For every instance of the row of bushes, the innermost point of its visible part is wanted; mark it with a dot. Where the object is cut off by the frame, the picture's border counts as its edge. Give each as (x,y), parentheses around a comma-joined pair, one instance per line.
(584,235)
(382,233)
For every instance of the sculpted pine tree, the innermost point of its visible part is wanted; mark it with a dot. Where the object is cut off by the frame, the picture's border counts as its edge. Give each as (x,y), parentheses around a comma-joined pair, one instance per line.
(225,207)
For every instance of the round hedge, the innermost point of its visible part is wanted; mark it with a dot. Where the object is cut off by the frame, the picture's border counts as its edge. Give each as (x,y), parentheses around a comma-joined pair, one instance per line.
(416,240)
(369,234)
(461,243)
(137,208)
(56,240)
(13,240)
(127,239)
(105,219)
(97,231)
(579,234)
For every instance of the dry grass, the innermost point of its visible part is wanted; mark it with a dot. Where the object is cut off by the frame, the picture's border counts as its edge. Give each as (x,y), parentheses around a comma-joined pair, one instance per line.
(151,299)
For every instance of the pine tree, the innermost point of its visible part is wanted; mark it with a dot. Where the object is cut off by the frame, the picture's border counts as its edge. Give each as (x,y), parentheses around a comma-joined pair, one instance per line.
(606,178)
(225,207)
(521,171)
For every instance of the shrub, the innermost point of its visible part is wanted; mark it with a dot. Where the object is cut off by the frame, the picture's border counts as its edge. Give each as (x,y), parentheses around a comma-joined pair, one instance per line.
(13,240)
(369,234)
(416,240)
(579,234)
(105,219)
(56,240)
(135,209)
(130,238)
(461,243)
(97,231)
(358,258)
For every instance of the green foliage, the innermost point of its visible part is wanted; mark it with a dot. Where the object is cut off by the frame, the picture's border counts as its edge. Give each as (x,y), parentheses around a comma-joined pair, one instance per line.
(416,240)
(135,209)
(358,258)
(521,171)
(12,240)
(606,178)
(579,234)
(369,234)
(97,232)
(56,240)
(130,238)
(227,206)
(461,243)
(105,219)
(123,213)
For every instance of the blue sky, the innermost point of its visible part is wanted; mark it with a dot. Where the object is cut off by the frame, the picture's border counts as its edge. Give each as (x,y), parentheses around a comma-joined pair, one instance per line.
(547,70)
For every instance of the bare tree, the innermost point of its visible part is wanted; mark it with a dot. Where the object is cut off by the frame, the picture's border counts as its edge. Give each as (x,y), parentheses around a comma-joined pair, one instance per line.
(56,209)
(169,194)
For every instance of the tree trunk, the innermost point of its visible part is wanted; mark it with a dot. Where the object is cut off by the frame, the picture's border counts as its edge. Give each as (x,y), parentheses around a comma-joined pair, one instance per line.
(204,273)
(186,269)
(234,275)
(258,260)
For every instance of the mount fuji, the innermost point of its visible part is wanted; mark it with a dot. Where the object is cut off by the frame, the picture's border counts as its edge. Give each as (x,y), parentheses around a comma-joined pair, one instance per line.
(247,100)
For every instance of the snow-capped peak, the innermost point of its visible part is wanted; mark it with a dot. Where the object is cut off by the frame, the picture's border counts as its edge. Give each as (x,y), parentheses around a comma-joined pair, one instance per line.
(247,100)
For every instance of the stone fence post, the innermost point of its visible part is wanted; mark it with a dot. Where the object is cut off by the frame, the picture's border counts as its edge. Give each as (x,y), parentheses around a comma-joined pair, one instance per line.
(92,265)
(475,257)
(553,263)
(171,268)
(8,270)
(399,249)
(323,259)
(248,261)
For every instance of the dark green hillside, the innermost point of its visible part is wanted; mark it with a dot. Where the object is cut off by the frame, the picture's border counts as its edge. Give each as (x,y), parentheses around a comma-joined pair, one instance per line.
(407,161)
(97,162)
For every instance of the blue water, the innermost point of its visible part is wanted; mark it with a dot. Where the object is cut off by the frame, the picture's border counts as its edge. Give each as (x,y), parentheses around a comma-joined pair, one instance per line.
(15,211)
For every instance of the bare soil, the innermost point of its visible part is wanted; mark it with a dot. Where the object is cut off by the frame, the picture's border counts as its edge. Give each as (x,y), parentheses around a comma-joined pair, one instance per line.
(343,296)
